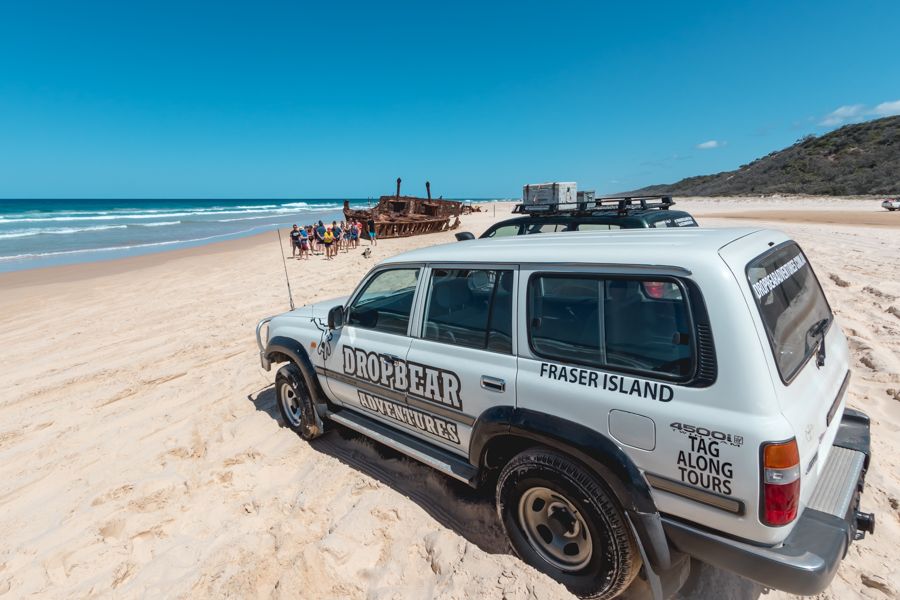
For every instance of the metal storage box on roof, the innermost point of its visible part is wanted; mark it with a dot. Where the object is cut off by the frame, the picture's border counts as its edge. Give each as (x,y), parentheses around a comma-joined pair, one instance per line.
(585,198)
(558,192)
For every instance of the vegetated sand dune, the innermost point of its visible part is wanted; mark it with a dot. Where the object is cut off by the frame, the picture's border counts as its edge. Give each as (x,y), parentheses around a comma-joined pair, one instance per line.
(141,452)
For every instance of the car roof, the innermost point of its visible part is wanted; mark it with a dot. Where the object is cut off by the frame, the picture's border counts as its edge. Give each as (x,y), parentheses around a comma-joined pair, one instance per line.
(625,246)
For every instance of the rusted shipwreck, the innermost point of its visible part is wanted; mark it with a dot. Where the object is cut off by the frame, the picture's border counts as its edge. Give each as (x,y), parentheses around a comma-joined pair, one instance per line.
(403,216)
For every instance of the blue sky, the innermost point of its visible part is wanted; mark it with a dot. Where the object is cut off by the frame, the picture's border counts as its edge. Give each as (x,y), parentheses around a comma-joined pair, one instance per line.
(288,99)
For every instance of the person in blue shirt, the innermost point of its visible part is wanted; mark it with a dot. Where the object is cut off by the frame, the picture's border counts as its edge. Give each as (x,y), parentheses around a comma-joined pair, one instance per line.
(354,235)
(304,244)
(320,234)
(336,230)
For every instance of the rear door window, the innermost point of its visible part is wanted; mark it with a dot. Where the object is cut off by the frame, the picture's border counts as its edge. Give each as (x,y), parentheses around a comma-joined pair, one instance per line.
(471,308)
(629,325)
(792,306)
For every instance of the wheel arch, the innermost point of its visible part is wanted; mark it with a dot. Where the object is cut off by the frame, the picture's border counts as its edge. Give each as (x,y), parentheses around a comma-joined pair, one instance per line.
(507,430)
(283,349)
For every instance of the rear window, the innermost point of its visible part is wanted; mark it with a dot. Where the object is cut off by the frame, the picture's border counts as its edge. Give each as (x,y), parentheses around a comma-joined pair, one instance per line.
(791,304)
(631,325)
(682,221)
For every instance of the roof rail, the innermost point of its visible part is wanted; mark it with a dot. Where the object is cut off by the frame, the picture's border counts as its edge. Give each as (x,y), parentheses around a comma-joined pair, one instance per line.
(621,204)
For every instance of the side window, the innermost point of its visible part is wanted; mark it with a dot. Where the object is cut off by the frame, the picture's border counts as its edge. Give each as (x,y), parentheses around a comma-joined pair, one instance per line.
(471,308)
(631,325)
(544,228)
(505,231)
(385,302)
(597,227)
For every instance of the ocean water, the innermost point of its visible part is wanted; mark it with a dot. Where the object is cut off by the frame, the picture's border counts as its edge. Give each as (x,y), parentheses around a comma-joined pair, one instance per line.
(39,233)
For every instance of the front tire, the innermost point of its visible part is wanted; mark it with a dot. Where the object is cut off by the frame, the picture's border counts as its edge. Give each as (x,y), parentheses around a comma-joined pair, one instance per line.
(563,520)
(296,404)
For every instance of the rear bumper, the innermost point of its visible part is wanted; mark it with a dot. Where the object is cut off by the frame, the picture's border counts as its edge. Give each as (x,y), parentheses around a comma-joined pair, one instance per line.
(808,559)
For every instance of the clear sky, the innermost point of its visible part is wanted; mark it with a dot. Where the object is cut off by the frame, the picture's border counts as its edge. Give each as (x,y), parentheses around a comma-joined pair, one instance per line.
(330,99)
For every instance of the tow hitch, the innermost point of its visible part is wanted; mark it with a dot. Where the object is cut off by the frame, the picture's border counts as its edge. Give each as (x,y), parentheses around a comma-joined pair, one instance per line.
(865,523)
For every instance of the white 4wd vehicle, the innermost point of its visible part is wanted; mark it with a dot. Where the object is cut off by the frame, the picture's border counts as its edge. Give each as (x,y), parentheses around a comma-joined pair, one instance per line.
(638,397)
(891,204)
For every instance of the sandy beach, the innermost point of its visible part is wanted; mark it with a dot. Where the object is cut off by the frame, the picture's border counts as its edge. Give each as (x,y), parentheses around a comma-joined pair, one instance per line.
(142,454)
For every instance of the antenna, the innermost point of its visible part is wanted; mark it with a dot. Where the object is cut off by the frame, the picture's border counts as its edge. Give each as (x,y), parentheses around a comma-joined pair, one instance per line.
(284,260)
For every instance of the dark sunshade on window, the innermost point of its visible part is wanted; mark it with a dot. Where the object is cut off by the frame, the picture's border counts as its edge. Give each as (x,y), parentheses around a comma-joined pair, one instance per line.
(630,325)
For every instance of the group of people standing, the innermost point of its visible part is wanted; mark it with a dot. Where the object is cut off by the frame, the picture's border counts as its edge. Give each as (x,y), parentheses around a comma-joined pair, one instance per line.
(319,239)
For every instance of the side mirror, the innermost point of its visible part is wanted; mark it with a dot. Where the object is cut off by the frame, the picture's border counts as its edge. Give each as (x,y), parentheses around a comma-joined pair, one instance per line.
(336,317)
(464,235)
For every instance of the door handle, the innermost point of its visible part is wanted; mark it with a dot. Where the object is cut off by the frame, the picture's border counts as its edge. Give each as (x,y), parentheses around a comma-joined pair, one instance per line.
(390,358)
(493,384)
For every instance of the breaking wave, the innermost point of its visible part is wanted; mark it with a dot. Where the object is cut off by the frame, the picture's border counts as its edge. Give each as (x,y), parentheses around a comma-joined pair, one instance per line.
(18,233)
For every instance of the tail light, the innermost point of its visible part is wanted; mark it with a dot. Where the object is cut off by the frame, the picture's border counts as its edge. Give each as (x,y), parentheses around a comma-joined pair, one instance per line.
(780,482)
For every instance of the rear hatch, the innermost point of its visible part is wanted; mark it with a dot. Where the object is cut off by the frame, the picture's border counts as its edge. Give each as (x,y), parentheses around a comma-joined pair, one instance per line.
(807,351)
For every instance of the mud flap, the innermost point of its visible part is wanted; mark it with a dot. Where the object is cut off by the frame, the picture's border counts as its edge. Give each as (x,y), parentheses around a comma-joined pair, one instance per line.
(650,585)
(312,422)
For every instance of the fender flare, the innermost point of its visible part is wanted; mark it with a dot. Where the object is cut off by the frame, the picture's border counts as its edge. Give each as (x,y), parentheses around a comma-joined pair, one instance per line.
(596,451)
(295,353)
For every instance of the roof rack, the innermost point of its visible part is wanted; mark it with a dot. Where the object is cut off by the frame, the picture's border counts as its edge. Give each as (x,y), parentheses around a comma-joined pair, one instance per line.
(621,204)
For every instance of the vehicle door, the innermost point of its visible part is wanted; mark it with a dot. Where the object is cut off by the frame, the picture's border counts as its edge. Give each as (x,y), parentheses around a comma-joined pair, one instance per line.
(462,358)
(373,340)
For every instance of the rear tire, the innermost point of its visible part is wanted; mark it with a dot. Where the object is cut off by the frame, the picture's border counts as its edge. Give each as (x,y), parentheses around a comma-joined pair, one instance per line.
(296,404)
(562,519)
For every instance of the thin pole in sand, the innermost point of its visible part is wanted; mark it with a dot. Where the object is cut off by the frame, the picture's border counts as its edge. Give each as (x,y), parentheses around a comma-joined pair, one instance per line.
(284,261)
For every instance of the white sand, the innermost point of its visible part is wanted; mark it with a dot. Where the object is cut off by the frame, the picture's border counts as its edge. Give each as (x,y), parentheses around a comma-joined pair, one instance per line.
(141,453)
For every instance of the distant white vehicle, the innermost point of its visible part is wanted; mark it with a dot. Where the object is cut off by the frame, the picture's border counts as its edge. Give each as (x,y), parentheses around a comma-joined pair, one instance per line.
(891,204)
(635,398)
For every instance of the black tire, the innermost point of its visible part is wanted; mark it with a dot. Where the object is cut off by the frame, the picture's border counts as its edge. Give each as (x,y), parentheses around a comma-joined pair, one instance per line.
(295,402)
(582,513)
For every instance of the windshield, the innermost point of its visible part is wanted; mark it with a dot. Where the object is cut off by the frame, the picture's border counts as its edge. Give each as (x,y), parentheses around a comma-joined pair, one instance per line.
(793,308)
